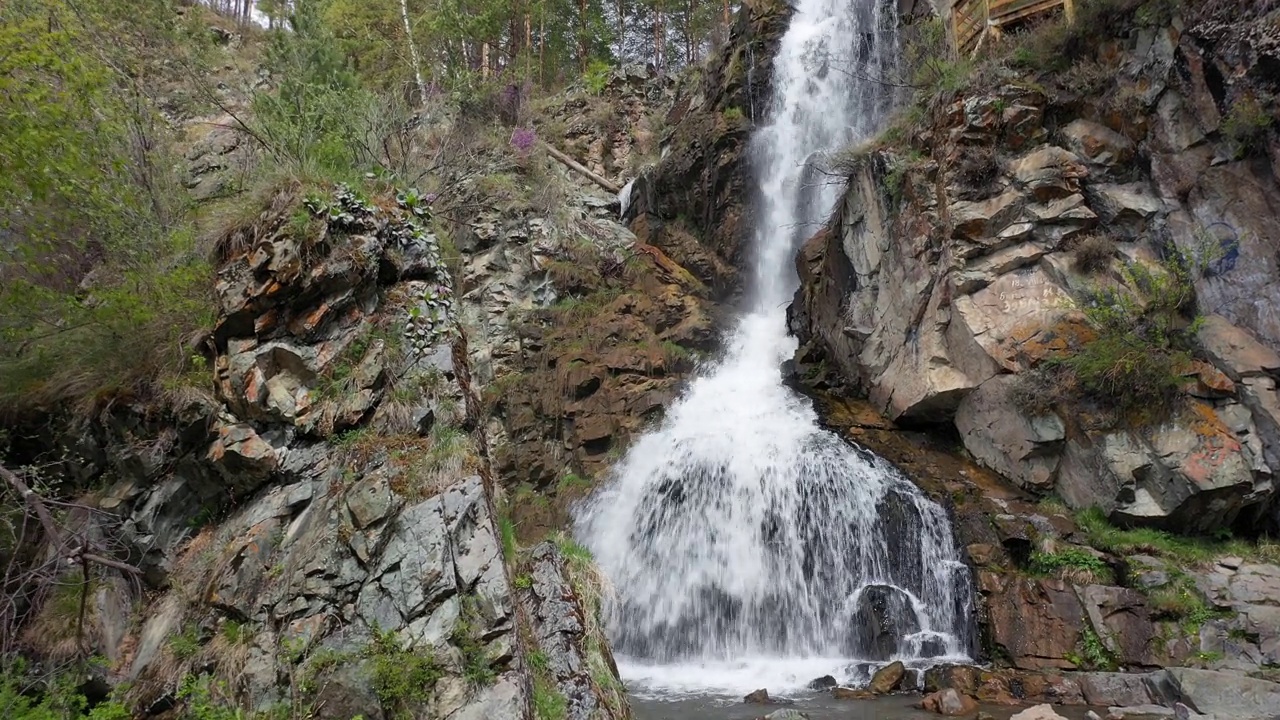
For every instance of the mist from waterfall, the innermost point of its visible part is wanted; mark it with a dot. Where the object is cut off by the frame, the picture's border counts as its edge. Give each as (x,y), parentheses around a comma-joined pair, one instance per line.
(748,546)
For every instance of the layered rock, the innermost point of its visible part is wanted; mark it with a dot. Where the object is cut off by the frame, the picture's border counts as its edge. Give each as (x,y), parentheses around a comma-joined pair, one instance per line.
(318,529)
(945,281)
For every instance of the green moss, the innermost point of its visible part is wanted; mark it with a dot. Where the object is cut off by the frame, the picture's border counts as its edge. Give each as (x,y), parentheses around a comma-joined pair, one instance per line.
(1094,652)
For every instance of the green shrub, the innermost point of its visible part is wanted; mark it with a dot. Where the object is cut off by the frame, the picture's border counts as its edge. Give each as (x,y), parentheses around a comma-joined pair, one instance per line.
(1094,651)
(186,644)
(401,678)
(208,699)
(1246,125)
(1093,253)
(1186,550)
(548,703)
(1072,564)
(596,78)
(59,698)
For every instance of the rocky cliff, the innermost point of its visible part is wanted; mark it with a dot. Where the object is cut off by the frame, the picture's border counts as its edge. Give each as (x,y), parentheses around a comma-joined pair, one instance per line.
(1066,269)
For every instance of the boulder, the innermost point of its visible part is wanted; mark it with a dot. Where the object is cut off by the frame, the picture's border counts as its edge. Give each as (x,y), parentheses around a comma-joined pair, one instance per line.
(888,678)
(1038,712)
(1001,436)
(884,615)
(844,693)
(949,702)
(826,682)
(758,697)
(1193,474)
(1224,695)
(961,677)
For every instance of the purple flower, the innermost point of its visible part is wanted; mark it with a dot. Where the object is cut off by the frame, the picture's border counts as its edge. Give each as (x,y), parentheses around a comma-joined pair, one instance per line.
(430,198)
(522,139)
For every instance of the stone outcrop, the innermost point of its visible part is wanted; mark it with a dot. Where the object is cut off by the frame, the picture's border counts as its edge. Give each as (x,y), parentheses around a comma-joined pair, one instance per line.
(318,527)
(948,283)
(695,202)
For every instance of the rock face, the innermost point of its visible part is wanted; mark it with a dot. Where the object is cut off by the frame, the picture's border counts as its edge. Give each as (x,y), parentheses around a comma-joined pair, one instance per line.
(695,204)
(944,284)
(319,527)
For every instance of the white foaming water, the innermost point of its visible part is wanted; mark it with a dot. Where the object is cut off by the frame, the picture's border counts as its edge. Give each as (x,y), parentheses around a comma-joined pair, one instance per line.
(749,547)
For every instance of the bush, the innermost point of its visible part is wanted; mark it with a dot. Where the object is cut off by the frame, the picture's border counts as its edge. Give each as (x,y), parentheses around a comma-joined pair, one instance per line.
(1093,253)
(401,678)
(101,285)
(1246,125)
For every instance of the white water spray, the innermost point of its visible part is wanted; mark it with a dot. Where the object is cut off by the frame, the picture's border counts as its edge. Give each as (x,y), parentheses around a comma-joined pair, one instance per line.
(748,546)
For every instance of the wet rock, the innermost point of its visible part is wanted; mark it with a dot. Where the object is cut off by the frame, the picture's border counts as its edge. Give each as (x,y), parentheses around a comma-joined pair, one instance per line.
(1036,623)
(949,702)
(888,678)
(786,715)
(960,677)
(884,615)
(1038,712)
(844,693)
(825,682)
(758,697)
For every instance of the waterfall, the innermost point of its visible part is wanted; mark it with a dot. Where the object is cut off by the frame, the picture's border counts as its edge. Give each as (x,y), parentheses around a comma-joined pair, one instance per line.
(748,546)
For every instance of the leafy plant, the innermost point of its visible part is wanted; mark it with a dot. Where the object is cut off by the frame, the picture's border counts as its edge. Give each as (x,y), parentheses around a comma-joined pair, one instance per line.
(596,78)
(186,644)
(207,699)
(401,678)
(1246,125)
(1095,653)
(548,703)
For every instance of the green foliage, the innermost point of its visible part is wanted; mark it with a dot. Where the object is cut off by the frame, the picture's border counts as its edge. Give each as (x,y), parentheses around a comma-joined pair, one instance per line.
(548,703)
(401,678)
(733,115)
(100,281)
(186,644)
(1246,125)
(58,699)
(510,547)
(597,76)
(1073,564)
(1133,364)
(208,699)
(1094,652)
(477,667)
(1182,549)
(236,632)
(308,120)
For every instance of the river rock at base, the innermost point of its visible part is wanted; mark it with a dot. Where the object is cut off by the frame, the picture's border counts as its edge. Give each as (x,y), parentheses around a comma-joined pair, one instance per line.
(1039,712)
(844,693)
(825,682)
(888,678)
(949,702)
(785,715)
(758,697)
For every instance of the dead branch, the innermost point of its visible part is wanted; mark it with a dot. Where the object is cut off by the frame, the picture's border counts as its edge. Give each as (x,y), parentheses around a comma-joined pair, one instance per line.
(580,168)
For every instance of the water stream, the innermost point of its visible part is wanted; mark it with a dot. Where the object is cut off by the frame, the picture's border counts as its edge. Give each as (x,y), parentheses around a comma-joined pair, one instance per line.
(748,546)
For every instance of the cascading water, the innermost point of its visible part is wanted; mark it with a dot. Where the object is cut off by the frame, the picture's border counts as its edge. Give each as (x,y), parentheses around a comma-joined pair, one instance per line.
(748,546)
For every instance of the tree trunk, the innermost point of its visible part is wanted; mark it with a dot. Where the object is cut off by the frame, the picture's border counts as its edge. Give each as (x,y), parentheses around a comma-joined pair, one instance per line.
(413,52)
